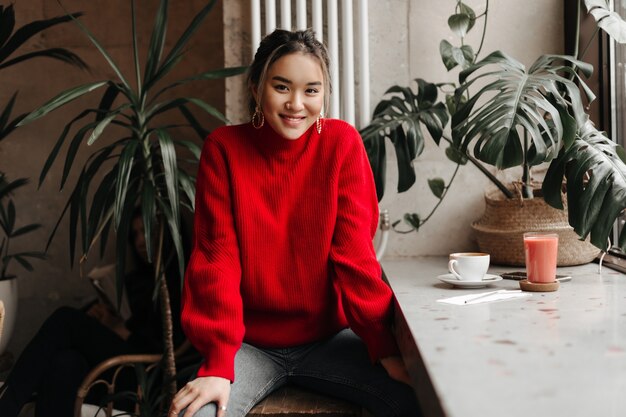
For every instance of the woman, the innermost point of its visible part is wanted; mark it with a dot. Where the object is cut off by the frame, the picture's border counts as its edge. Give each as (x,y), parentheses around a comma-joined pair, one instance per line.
(71,341)
(283,285)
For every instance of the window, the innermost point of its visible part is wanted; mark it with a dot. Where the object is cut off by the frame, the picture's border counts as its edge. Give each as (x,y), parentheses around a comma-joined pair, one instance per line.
(608,82)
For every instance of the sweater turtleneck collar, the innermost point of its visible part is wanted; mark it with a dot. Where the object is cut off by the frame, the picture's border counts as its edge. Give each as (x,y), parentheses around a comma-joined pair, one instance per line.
(266,137)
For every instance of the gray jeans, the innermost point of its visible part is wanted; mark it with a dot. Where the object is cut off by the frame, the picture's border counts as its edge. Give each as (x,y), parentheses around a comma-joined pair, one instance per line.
(339,367)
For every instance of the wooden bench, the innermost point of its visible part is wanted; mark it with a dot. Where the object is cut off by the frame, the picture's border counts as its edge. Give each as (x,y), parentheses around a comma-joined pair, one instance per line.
(296,402)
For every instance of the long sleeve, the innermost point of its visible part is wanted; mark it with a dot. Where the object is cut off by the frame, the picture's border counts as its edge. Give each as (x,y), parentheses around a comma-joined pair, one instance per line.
(212,312)
(366,298)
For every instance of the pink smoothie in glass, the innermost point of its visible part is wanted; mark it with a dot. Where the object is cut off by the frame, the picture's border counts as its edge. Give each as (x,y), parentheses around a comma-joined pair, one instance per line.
(541,253)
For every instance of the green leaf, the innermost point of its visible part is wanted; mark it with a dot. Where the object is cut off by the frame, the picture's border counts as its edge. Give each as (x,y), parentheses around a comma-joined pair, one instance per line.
(466,10)
(21,258)
(57,147)
(59,54)
(123,220)
(148,212)
(102,203)
(10,223)
(175,53)
(512,100)
(133,19)
(596,185)
(106,102)
(459,24)
(106,56)
(446,50)
(72,150)
(609,21)
(25,229)
(412,219)
(168,154)
(192,146)
(400,119)
(60,100)
(208,75)
(26,32)
(157,41)
(174,227)
(466,57)
(27,265)
(193,122)
(177,102)
(437,186)
(455,155)
(97,131)
(7,23)
(6,113)
(187,184)
(124,168)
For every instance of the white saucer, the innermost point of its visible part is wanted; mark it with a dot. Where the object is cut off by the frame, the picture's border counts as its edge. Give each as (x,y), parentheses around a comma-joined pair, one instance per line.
(488,279)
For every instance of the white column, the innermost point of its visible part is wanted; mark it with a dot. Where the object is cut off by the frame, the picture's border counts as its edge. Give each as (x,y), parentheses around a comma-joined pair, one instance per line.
(364,66)
(285,14)
(318,19)
(301,15)
(255,10)
(270,16)
(347,50)
(333,46)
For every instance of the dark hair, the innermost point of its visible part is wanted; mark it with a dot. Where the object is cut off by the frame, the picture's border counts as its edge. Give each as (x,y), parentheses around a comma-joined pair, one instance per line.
(278,44)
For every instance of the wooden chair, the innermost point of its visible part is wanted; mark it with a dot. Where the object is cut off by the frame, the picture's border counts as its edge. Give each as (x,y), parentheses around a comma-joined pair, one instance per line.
(114,366)
(292,401)
(288,401)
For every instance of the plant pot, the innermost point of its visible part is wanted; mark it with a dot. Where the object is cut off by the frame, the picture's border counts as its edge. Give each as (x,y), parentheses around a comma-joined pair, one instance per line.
(8,295)
(500,230)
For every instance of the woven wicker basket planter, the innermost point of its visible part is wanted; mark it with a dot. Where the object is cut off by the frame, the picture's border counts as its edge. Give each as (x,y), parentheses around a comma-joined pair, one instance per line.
(500,230)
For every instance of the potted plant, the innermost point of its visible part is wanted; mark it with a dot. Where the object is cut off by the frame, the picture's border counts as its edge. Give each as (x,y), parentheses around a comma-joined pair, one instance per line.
(516,118)
(143,165)
(9,231)
(11,40)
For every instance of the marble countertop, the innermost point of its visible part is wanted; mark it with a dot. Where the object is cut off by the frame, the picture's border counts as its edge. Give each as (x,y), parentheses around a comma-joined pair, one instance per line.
(551,354)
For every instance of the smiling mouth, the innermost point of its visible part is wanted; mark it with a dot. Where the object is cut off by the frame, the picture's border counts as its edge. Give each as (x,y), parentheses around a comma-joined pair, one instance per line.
(292,119)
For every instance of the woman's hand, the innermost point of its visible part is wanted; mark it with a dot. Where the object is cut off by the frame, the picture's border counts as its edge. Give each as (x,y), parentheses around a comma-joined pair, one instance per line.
(199,392)
(396,369)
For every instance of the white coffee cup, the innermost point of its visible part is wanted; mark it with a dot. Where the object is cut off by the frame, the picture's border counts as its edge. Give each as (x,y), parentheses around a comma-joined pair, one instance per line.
(469,266)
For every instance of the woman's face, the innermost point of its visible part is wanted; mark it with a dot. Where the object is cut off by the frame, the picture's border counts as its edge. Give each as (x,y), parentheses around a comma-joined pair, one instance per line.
(293,94)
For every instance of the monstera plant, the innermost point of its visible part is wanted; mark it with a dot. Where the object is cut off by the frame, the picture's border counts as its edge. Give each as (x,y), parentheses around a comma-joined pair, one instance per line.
(505,115)
(140,162)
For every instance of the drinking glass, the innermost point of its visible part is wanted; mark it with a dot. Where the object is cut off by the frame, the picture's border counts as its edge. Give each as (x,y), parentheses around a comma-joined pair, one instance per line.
(541,253)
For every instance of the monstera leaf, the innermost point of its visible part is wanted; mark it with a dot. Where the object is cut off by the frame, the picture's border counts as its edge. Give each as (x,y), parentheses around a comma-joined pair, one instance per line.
(537,101)
(595,169)
(400,118)
(611,22)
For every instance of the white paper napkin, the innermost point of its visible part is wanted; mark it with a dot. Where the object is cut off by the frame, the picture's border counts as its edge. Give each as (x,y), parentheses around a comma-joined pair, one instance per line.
(484,297)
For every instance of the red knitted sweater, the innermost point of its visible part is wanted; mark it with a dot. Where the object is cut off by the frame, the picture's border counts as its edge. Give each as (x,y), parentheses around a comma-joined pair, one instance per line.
(283,250)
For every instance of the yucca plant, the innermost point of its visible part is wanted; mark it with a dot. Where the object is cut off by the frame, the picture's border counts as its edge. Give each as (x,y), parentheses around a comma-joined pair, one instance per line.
(11,40)
(516,117)
(140,167)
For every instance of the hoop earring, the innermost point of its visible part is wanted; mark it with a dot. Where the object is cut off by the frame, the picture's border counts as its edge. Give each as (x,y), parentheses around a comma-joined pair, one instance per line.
(318,124)
(258,119)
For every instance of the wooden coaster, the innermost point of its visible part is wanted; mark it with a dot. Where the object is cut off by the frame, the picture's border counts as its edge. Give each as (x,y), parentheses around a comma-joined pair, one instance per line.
(538,287)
